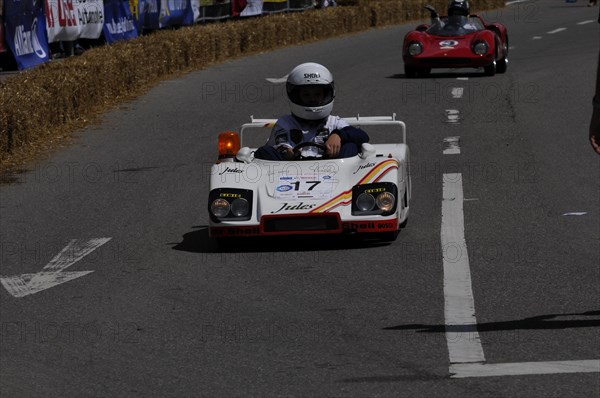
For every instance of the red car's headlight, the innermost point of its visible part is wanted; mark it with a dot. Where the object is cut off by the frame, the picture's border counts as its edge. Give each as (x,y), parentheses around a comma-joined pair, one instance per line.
(415,48)
(480,48)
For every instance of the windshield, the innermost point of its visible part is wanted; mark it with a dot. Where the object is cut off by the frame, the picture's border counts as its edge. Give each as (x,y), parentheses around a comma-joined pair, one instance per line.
(455,25)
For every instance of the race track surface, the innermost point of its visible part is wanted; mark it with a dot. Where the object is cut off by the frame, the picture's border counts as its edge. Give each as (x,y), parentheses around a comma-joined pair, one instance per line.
(164,314)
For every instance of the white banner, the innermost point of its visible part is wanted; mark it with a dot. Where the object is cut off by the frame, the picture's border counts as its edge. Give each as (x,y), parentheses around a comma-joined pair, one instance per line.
(68,20)
(253,7)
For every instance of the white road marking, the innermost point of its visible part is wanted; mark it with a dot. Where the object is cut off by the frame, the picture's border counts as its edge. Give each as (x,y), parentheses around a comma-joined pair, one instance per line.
(462,78)
(457,92)
(452,116)
(586,22)
(523,368)
(576,213)
(451,146)
(52,274)
(536,38)
(556,31)
(462,337)
(277,80)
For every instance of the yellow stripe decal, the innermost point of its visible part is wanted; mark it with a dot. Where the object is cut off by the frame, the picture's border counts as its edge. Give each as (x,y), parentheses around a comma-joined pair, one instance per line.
(342,199)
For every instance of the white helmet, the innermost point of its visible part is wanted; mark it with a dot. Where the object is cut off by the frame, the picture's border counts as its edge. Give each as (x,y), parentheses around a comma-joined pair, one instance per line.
(310,91)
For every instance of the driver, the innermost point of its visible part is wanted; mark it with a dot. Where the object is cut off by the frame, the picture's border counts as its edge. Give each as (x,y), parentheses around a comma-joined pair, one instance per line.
(458,13)
(310,92)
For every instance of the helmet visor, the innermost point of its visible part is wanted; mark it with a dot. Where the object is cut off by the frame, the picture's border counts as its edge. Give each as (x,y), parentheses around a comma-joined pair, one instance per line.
(311,95)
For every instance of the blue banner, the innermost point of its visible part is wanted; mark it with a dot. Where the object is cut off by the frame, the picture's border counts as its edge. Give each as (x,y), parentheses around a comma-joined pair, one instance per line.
(149,14)
(118,21)
(177,13)
(26,32)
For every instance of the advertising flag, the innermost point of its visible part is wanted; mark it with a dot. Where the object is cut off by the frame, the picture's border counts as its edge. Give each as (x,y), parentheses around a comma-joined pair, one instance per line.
(69,20)
(119,23)
(26,32)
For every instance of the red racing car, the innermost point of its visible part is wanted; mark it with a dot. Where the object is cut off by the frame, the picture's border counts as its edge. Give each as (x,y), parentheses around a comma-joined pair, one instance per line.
(456,42)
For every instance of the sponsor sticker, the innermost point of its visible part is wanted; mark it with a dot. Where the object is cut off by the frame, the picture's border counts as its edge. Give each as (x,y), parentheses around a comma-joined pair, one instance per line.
(448,44)
(304,187)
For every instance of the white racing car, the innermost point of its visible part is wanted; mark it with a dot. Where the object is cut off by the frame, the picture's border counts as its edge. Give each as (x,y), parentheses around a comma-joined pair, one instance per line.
(368,194)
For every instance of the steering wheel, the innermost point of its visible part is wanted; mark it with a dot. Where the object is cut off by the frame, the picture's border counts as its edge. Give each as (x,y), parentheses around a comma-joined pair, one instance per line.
(297,148)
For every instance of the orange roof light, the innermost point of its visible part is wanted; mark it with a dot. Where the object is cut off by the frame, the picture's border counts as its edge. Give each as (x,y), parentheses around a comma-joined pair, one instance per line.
(229,144)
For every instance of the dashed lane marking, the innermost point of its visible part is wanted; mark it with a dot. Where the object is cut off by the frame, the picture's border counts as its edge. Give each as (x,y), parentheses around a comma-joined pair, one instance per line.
(457,92)
(451,146)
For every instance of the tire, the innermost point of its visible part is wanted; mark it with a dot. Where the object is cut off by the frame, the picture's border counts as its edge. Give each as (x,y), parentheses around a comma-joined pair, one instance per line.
(490,70)
(410,72)
(388,236)
(404,223)
(503,63)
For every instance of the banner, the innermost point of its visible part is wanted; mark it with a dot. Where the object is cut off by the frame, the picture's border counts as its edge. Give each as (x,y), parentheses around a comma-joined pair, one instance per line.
(26,32)
(69,20)
(246,8)
(177,13)
(119,24)
(215,9)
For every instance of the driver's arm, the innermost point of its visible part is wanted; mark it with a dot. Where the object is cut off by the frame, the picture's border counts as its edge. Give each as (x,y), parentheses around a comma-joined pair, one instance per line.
(339,137)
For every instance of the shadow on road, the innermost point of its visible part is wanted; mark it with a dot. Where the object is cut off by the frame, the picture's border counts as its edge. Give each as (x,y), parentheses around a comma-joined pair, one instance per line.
(551,321)
(198,241)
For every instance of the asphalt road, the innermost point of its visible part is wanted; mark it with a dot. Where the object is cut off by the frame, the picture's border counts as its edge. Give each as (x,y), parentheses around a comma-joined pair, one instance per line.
(164,314)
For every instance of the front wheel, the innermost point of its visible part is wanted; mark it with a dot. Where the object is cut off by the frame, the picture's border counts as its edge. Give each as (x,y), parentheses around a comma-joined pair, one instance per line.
(490,70)
(410,71)
(503,63)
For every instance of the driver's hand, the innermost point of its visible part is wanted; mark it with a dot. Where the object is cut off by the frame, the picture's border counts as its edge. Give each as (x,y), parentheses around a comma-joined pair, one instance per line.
(333,145)
(287,154)
(432,11)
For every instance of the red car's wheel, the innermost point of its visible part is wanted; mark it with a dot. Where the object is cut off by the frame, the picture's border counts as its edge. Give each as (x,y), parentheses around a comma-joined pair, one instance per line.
(502,64)
(410,71)
(490,70)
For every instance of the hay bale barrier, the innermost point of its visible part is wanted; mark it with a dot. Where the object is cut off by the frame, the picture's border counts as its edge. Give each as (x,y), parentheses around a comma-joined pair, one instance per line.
(41,107)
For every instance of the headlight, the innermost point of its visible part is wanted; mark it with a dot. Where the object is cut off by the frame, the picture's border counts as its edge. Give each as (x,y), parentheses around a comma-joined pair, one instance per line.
(415,48)
(230,204)
(374,199)
(385,201)
(365,202)
(240,207)
(220,208)
(480,48)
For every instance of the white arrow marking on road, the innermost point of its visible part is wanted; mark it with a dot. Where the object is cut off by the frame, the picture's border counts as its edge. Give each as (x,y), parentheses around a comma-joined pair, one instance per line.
(52,274)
